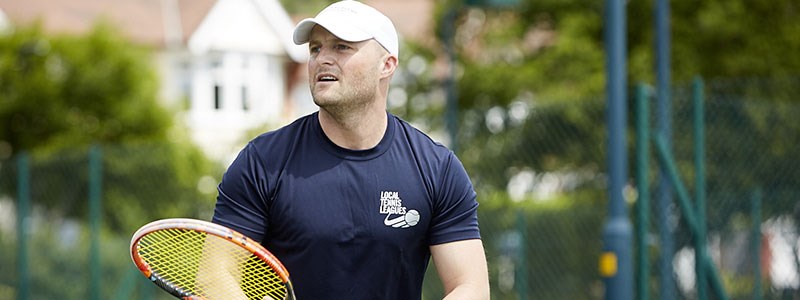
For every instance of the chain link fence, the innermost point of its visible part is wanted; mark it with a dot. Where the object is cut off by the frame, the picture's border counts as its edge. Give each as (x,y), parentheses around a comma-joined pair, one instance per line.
(751,138)
(82,207)
(538,169)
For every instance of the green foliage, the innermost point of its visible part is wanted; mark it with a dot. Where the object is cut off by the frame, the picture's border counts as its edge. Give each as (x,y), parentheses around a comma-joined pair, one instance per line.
(549,246)
(555,49)
(736,38)
(154,181)
(548,58)
(62,91)
(61,94)
(305,7)
(553,138)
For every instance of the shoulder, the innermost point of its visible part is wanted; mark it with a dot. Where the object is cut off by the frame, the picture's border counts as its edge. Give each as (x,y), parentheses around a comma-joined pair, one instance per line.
(289,131)
(278,138)
(278,143)
(419,140)
(432,157)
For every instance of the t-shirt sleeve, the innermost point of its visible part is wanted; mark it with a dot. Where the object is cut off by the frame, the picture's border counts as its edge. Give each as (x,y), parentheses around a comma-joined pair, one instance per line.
(242,195)
(455,207)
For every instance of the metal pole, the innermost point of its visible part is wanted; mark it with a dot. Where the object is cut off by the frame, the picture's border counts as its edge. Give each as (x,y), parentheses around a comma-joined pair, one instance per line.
(451,115)
(23,228)
(643,190)
(664,193)
(700,188)
(615,262)
(95,190)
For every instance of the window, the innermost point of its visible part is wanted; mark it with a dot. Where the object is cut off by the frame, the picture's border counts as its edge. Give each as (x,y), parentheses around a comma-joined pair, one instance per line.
(245,100)
(217,97)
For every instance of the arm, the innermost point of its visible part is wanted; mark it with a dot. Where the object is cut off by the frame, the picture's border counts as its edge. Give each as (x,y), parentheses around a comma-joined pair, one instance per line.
(462,268)
(219,275)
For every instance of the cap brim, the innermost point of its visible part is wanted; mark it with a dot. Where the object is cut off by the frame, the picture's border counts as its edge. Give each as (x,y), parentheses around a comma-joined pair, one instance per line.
(344,31)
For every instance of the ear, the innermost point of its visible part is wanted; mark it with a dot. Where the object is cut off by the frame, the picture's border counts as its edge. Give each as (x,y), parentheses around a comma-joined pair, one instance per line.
(389,65)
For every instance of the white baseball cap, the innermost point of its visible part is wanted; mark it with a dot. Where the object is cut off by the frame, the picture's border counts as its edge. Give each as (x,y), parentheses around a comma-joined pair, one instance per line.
(351,21)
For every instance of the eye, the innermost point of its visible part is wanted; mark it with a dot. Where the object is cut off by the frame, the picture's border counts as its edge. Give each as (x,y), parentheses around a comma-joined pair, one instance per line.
(313,49)
(342,46)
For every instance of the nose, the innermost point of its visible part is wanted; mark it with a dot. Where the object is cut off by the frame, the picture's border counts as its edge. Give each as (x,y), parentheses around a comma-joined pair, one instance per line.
(324,56)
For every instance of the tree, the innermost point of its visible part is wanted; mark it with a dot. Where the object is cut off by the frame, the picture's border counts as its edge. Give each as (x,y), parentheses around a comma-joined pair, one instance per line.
(61,94)
(547,57)
(309,7)
(66,90)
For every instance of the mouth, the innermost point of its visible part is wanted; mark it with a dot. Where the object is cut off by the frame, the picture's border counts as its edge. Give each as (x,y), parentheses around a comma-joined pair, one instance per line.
(325,77)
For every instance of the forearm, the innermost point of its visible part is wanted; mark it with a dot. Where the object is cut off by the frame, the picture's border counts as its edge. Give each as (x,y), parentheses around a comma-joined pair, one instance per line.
(468,292)
(218,276)
(462,268)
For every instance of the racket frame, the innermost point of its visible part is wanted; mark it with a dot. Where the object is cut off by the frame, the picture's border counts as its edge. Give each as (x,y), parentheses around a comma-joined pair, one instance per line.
(209,228)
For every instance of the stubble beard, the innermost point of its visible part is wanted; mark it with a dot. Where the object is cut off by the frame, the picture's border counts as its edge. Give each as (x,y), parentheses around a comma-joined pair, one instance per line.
(346,102)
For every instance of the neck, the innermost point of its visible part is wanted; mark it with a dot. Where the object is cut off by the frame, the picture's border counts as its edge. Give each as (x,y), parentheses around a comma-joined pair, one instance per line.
(354,129)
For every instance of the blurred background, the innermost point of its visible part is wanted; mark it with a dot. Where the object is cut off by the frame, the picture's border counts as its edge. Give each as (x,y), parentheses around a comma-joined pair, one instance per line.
(114,113)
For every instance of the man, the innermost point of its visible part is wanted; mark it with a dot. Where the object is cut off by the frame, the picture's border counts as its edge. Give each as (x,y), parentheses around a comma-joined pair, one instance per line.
(353,200)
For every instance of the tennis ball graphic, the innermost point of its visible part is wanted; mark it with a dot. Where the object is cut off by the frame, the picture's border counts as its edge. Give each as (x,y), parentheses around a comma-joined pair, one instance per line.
(412,217)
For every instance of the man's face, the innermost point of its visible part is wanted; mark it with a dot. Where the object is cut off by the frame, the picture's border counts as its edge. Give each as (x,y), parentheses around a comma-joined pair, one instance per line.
(343,73)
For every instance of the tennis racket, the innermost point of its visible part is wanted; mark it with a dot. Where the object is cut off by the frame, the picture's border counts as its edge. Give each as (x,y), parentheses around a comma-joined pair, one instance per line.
(194,259)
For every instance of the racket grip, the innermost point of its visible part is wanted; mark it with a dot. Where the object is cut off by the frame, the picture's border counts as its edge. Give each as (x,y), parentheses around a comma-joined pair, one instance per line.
(177,292)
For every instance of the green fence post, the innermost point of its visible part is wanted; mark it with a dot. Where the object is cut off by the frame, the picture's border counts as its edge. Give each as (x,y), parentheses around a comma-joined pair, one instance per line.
(643,190)
(521,282)
(668,165)
(755,242)
(95,190)
(700,187)
(23,212)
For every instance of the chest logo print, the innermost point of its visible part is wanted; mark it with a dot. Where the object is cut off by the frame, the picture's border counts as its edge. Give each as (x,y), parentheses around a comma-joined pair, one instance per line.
(397,215)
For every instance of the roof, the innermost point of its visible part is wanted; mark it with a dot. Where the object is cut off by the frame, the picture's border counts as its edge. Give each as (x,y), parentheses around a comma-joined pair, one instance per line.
(151,22)
(159,22)
(413,18)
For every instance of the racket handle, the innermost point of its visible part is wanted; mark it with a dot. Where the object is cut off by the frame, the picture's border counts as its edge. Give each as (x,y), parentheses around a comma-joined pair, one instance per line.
(177,292)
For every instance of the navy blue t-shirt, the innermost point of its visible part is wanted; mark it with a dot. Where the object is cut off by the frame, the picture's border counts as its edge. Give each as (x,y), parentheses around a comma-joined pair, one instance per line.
(349,224)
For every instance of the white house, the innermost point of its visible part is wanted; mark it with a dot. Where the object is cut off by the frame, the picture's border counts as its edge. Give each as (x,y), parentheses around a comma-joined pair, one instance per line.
(229,65)
(4,23)
(234,72)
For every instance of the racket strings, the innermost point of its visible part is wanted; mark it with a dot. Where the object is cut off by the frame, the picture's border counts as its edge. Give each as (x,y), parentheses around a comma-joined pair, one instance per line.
(258,277)
(174,255)
(190,259)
